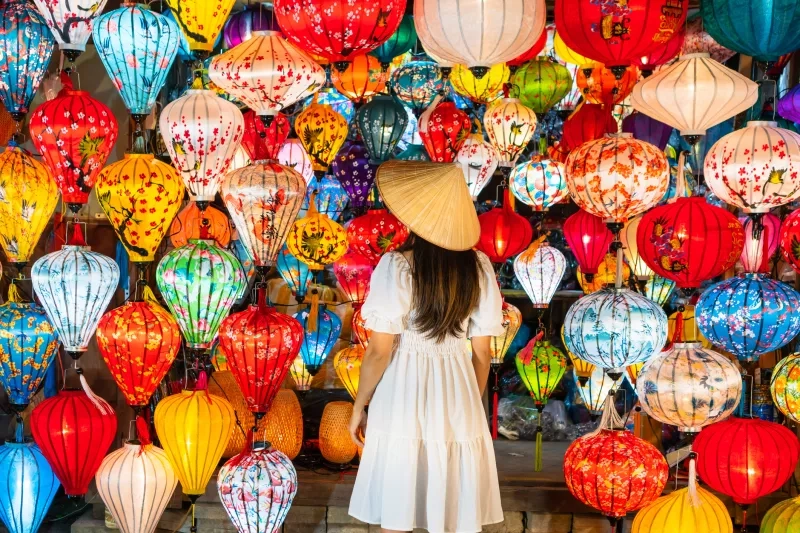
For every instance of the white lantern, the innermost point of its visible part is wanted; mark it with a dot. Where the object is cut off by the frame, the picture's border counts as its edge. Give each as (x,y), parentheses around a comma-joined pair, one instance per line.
(596,389)
(71,22)
(240,159)
(509,125)
(293,155)
(689,387)
(539,183)
(755,168)
(631,249)
(136,482)
(478,160)
(694,94)
(75,286)
(202,133)
(539,270)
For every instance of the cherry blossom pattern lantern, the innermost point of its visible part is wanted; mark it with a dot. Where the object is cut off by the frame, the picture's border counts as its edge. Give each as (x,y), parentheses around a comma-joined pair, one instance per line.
(416,84)
(630,248)
(785,386)
(539,183)
(70,23)
(363,78)
(749,315)
(480,90)
(355,173)
(266,73)
(192,224)
(540,84)
(478,160)
(599,85)
(647,129)
(200,25)
(293,155)
(321,329)
(588,123)
(31,485)
(790,239)
(588,239)
(504,233)
(262,142)
(761,245)
(353,273)
(322,132)
(509,126)
(202,133)
(381,123)
(376,233)
(241,25)
(75,135)
(443,129)
(539,270)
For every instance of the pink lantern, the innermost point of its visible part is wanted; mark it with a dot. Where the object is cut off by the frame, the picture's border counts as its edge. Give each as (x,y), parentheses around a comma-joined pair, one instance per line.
(761,238)
(353,272)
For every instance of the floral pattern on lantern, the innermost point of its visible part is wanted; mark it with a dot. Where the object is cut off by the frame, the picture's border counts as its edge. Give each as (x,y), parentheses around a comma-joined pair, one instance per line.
(443,128)
(353,273)
(539,183)
(322,132)
(200,25)
(192,224)
(317,240)
(785,386)
(376,233)
(790,239)
(509,126)
(31,486)
(71,23)
(504,233)
(539,270)
(540,84)
(354,171)
(347,364)
(262,142)
(541,367)
(697,40)
(381,123)
(321,333)
(598,85)
(416,84)
(478,160)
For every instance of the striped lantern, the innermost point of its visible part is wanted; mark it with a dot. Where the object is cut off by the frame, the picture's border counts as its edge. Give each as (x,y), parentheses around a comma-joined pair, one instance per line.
(782,517)
(589,123)
(300,374)
(500,344)
(540,84)
(760,246)
(539,270)
(478,160)
(509,125)
(588,239)
(480,90)
(294,272)
(321,333)
(347,364)
(29,486)
(241,25)
(785,386)
(353,273)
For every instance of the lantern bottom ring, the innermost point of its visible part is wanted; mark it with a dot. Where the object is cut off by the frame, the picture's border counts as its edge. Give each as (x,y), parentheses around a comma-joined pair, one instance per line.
(541,306)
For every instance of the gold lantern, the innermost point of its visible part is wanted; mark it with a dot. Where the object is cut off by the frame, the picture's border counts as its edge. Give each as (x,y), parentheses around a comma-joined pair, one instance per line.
(322,131)
(347,363)
(606,275)
(302,378)
(283,425)
(316,240)
(334,436)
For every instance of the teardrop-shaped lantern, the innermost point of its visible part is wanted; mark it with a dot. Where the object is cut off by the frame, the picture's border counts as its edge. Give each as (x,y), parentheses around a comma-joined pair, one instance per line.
(401,41)
(31,486)
(322,132)
(539,270)
(790,239)
(317,240)
(321,333)
(355,171)
(363,78)
(504,233)
(500,344)
(594,384)
(263,142)
(541,367)
(353,272)
(294,272)
(200,23)
(381,122)
(478,160)
(509,126)
(347,364)
(376,233)
(70,22)
(327,194)
(539,183)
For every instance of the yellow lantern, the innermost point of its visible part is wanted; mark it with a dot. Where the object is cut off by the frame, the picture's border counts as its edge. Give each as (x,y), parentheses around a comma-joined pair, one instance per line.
(606,275)
(302,378)
(322,131)
(480,90)
(316,240)
(782,517)
(512,320)
(785,387)
(566,54)
(582,369)
(334,436)
(200,21)
(283,425)
(633,372)
(690,331)
(363,77)
(140,195)
(347,363)
(223,384)
(28,197)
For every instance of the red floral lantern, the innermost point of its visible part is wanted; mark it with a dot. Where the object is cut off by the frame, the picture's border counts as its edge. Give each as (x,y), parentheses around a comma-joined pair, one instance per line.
(504,233)
(359,327)
(746,458)
(530,54)
(615,472)
(443,129)
(376,233)
(689,241)
(75,135)
(264,142)
(590,122)
(790,239)
(599,85)
(589,238)
(353,272)
(74,429)
(260,345)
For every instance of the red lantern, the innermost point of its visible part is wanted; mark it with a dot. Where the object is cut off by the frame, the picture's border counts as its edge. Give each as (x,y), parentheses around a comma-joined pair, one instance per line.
(662,55)
(75,135)
(790,239)
(588,123)
(443,128)
(615,472)
(376,233)
(260,345)
(504,233)
(589,238)
(264,142)
(353,272)
(689,241)
(360,331)
(138,342)
(746,458)
(74,431)
(615,33)
(530,54)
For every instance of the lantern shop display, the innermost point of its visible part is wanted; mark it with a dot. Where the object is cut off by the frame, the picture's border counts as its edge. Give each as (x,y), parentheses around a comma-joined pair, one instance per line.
(760,243)
(598,384)
(785,386)
(539,270)
(443,128)
(30,486)
(540,84)
(376,233)
(416,84)
(589,240)
(262,142)
(316,240)
(363,78)
(322,131)
(500,344)
(283,425)
(293,155)
(478,160)
(647,129)
(589,123)
(509,126)
(606,275)
(381,123)
(541,367)
(630,248)
(504,233)
(192,224)
(321,329)
(355,174)
(749,315)
(480,90)
(353,273)
(347,364)
(241,25)
(335,443)
(294,272)
(539,183)
(599,85)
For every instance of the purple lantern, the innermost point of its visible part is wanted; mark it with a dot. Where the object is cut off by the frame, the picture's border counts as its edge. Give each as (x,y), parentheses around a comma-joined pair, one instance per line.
(241,25)
(353,170)
(647,129)
(789,105)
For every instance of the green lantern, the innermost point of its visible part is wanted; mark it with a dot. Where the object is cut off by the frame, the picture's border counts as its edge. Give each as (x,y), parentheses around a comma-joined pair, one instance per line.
(540,84)
(200,283)
(398,44)
(381,123)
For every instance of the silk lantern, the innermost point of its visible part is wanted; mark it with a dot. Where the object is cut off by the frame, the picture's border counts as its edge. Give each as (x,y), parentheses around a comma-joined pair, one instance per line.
(335,443)
(540,84)
(74,429)
(293,155)
(567,54)
(598,85)
(263,142)
(593,383)
(647,129)
(760,246)
(75,286)
(416,84)
(317,240)
(339,102)
(301,376)
(347,364)
(376,233)
(294,272)
(381,123)
(322,132)
(136,483)
(200,25)
(749,315)
(443,128)
(665,53)
(784,516)
(509,126)
(606,275)
(140,195)
(531,53)
(697,40)
(192,224)
(539,183)
(785,386)
(328,196)
(355,173)
(400,42)
(363,78)
(504,233)
(353,273)
(478,160)
(75,135)
(241,25)
(588,123)
(630,247)
(71,24)
(659,289)
(541,367)
(790,239)
(789,105)
(321,329)
(499,345)
(283,425)
(223,384)
(539,270)
(588,239)
(480,90)
(30,486)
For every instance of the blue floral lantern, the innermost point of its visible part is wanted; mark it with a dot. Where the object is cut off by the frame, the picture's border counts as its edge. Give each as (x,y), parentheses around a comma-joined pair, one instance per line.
(295,273)
(26,44)
(416,84)
(29,486)
(137,48)
(320,333)
(749,315)
(331,199)
(339,102)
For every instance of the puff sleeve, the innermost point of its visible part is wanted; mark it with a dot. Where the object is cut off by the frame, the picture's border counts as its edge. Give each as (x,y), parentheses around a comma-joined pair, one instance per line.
(388,303)
(487,318)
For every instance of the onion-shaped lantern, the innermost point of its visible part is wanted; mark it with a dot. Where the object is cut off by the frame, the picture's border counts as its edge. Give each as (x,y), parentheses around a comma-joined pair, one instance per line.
(140,195)
(647,129)
(416,84)
(376,233)
(540,84)
(31,486)
(504,233)
(242,25)
(594,384)
(630,247)
(71,23)
(293,155)
(302,378)
(263,142)
(761,245)
(401,41)
(749,315)
(363,78)
(478,160)
(606,275)
(294,272)
(381,123)
(192,224)
(321,330)
(689,387)
(355,172)
(614,328)
(790,239)
(589,123)
(509,126)
(480,90)
(75,286)
(200,283)
(539,270)
(588,239)
(785,386)
(353,272)
(347,364)
(539,183)
(200,25)
(499,345)
(598,85)
(541,367)
(443,129)
(316,240)
(784,516)
(322,132)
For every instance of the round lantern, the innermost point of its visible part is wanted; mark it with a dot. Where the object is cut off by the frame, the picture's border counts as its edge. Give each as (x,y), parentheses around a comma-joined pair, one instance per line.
(256,488)
(74,430)
(665,53)
(283,425)
(223,384)
(241,26)
(71,23)
(784,516)
(541,367)
(749,315)
(509,126)
(302,378)
(614,328)
(202,132)
(364,77)
(480,90)
(689,387)
(618,35)
(539,183)
(531,53)
(588,123)
(416,84)
(75,135)
(443,128)
(606,275)
(689,241)
(192,224)
(263,200)
(540,84)
(140,195)
(381,123)
(347,364)
(594,384)
(30,486)
(335,443)
(401,41)
(75,286)
(316,240)
(499,345)
(200,283)
(785,386)
(355,172)
(630,247)
(353,273)
(504,233)
(647,129)
(137,47)
(567,54)
(293,155)
(322,132)
(612,462)
(138,341)
(478,160)
(588,239)
(25,46)
(598,85)
(761,245)
(263,142)
(376,233)
(200,25)
(539,270)
(136,483)
(746,458)
(294,272)
(321,329)
(617,177)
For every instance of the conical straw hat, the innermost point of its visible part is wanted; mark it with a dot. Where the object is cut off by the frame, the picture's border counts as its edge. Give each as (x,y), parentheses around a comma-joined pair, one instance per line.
(433,200)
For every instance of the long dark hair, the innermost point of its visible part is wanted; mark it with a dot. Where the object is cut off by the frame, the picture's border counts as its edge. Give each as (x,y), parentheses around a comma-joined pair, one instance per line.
(447,287)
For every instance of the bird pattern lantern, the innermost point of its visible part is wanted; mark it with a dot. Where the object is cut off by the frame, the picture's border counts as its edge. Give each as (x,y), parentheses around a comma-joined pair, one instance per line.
(540,84)
(593,383)
(785,386)
(376,233)
(347,364)
(355,173)
(443,128)
(322,131)
(588,239)
(539,183)
(363,78)
(504,233)
(294,272)
(263,142)
(478,160)
(509,126)
(321,333)
(480,90)
(416,84)
(71,23)
(353,273)
(381,123)
(539,270)
(200,25)
(192,224)
(316,240)
(30,486)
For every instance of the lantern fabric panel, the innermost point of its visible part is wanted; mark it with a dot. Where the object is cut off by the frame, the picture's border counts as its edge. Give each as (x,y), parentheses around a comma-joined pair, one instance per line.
(665,53)
(588,239)
(480,90)
(599,85)
(347,364)
(71,23)
(200,25)
(785,386)
(443,129)
(500,344)
(335,442)
(293,155)
(329,196)
(597,387)
(760,246)
(317,240)
(790,239)
(540,84)
(539,270)
(504,233)
(294,272)
(354,172)
(28,489)
(588,123)
(478,160)
(606,275)
(509,126)
(541,367)
(322,132)
(318,339)
(630,247)
(241,25)
(300,374)
(416,84)
(647,129)
(539,183)
(353,273)
(659,289)
(283,425)
(260,141)
(567,54)
(191,224)
(381,122)
(784,516)
(364,77)
(678,512)
(376,233)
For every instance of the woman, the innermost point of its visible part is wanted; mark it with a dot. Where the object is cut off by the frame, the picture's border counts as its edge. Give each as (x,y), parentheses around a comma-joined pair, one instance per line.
(428,460)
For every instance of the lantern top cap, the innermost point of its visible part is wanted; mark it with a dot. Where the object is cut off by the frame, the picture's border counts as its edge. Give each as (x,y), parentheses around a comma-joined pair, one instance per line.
(762,124)
(621,135)
(698,55)
(266,33)
(687,345)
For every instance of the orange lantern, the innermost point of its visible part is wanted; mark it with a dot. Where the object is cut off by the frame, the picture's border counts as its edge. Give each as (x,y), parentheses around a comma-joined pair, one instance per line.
(283,425)
(334,437)
(187,226)
(362,78)
(599,85)
(359,327)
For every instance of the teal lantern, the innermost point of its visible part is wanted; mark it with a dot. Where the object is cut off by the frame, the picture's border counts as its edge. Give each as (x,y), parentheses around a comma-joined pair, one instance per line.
(398,44)
(382,123)
(414,152)
(321,331)
(295,273)
(29,486)
(416,84)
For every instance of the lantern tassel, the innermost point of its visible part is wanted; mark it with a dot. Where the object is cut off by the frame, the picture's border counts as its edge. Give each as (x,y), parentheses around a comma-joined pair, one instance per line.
(13,293)
(537,451)
(202,382)
(610,418)
(98,402)
(694,499)
(143,432)
(77,236)
(148,296)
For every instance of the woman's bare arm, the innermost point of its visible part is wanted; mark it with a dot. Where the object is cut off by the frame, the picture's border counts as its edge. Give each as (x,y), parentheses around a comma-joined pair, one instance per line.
(481,358)
(376,359)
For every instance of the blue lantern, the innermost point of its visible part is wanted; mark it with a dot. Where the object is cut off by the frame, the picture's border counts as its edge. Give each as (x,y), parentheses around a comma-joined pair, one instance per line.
(416,84)
(339,102)
(295,273)
(29,486)
(749,315)
(320,334)
(331,199)
(27,344)
(26,44)
(137,47)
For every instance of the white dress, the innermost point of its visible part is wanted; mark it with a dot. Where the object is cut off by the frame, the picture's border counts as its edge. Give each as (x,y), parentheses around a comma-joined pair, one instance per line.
(428,460)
